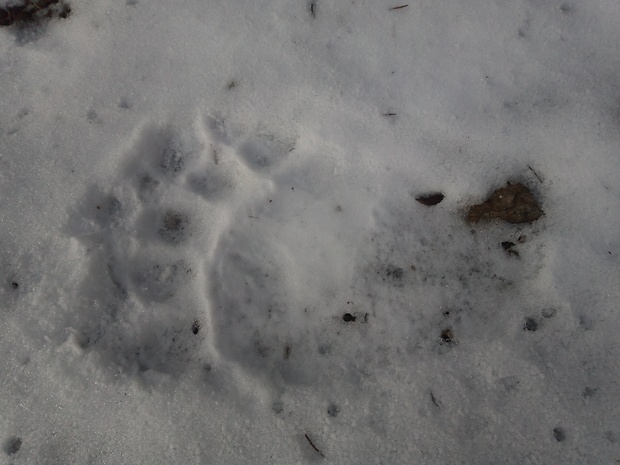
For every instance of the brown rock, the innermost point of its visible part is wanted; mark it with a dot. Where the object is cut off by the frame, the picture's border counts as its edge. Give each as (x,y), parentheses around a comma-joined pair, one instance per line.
(513,203)
(430,199)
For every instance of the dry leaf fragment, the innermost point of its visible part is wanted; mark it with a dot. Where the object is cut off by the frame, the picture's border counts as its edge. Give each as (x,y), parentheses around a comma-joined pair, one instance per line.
(513,203)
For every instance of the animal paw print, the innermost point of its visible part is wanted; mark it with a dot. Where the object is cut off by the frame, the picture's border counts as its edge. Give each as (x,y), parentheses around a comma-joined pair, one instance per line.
(262,151)
(145,235)
(211,227)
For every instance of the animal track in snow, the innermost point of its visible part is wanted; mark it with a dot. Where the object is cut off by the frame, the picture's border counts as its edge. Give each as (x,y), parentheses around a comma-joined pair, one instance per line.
(265,249)
(145,239)
(149,237)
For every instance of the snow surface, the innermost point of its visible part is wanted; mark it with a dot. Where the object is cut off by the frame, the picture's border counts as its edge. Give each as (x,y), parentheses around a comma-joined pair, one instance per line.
(194,194)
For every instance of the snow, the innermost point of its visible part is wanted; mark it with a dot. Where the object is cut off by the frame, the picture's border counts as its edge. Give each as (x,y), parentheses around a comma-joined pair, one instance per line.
(196,193)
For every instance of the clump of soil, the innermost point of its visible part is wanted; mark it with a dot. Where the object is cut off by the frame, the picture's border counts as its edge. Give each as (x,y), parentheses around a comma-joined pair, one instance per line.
(447,336)
(30,11)
(508,246)
(530,324)
(559,434)
(513,203)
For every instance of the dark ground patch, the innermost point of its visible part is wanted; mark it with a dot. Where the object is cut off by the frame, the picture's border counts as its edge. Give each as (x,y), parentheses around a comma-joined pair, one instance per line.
(31,12)
(559,434)
(13,445)
(333,410)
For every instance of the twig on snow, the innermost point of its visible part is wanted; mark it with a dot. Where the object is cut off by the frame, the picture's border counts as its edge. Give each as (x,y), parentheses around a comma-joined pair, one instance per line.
(313,446)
